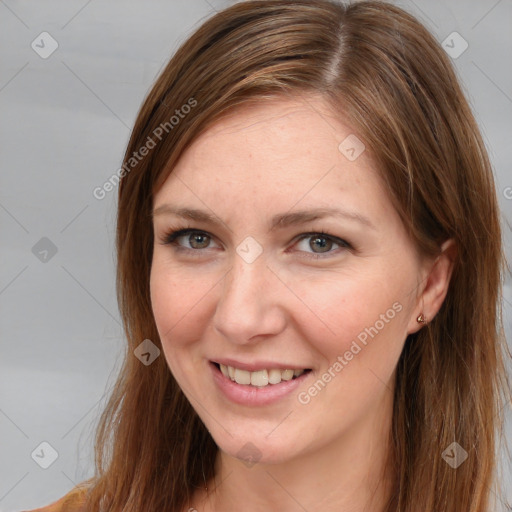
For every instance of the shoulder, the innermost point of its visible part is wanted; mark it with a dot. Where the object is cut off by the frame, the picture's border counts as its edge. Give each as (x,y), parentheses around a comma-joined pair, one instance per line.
(71,502)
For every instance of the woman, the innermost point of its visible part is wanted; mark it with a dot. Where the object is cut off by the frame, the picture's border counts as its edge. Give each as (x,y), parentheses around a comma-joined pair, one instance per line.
(309,269)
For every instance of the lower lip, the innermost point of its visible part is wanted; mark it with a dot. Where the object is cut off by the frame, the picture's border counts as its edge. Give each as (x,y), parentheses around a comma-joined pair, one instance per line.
(251,395)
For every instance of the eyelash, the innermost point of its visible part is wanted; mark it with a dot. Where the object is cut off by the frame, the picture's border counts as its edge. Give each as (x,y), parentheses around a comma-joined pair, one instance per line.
(170,237)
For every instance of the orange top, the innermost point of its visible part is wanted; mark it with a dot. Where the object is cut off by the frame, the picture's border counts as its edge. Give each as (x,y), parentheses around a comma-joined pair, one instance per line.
(71,502)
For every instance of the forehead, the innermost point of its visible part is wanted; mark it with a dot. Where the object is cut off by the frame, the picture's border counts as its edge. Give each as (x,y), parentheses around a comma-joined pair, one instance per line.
(278,153)
(278,134)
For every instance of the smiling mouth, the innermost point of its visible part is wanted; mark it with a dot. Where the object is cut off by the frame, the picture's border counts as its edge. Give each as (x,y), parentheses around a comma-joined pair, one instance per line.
(260,378)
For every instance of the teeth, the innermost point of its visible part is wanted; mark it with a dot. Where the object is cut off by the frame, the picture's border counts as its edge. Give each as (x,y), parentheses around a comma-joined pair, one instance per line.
(242,376)
(287,374)
(274,376)
(260,378)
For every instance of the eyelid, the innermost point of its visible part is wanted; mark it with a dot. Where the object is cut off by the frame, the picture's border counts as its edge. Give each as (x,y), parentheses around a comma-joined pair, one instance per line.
(172,234)
(343,244)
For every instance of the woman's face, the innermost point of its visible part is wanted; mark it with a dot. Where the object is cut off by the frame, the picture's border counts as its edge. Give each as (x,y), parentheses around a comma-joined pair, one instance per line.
(285,254)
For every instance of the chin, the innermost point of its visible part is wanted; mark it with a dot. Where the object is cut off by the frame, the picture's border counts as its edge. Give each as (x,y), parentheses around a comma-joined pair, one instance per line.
(256,449)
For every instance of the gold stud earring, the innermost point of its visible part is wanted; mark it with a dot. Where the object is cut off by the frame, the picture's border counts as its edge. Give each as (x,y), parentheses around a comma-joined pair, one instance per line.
(421,319)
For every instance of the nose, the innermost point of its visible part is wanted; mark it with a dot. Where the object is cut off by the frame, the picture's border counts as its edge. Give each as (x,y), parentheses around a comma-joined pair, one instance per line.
(249,307)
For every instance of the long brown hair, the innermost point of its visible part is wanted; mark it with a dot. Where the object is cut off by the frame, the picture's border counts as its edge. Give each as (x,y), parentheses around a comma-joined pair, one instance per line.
(391,81)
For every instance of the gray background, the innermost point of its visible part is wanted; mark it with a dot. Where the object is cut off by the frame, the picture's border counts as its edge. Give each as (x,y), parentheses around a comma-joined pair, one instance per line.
(64,125)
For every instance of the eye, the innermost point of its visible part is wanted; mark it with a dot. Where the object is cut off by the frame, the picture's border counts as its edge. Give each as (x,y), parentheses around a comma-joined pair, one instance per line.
(311,245)
(317,244)
(188,239)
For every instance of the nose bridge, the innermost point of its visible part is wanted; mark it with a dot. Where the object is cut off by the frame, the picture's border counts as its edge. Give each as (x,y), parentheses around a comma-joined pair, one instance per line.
(244,279)
(247,306)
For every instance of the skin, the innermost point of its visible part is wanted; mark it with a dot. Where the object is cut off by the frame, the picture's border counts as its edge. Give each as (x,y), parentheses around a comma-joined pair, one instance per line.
(279,157)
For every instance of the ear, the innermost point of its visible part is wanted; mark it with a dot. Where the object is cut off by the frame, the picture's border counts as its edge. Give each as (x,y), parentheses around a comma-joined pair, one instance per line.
(435,286)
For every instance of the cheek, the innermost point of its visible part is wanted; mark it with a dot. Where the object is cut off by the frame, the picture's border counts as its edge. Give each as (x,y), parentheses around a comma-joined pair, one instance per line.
(359,349)
(358,318)
(182,304)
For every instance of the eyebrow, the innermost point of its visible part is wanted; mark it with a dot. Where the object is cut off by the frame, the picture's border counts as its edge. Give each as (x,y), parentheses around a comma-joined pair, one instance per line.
(279,221)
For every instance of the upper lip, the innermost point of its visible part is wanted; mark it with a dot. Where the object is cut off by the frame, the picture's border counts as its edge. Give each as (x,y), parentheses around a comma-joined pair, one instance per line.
(254,366)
